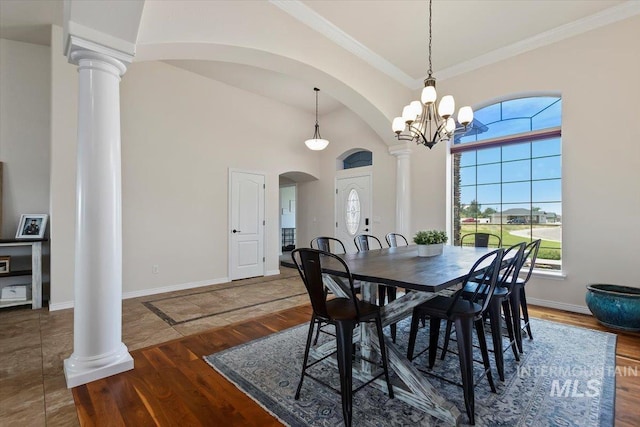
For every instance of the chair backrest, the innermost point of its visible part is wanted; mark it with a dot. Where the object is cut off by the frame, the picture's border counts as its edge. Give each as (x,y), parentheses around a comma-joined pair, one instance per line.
(393,238)
(531,254)
(511,268)
(482,277)
(363,242)
(481,240)
(328,244)
(310,264)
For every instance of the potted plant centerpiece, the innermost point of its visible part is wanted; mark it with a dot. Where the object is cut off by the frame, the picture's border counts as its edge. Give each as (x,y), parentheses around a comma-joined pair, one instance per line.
(430,242)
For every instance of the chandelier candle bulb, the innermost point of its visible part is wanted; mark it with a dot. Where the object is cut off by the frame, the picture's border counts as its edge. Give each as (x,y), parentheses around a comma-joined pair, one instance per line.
(465,115)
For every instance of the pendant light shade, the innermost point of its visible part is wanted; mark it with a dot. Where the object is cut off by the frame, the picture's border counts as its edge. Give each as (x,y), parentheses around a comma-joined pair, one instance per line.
(316,143)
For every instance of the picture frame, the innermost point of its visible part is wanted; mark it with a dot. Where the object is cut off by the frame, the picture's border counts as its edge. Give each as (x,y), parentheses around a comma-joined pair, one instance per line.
(5,264)
(32,226)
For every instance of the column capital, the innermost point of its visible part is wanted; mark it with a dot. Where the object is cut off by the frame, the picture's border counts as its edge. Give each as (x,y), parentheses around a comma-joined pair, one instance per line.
(78,48)
(399,150)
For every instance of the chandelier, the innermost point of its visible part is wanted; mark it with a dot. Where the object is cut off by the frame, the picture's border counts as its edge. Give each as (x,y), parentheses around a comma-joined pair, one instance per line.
(316,143)
(422,122)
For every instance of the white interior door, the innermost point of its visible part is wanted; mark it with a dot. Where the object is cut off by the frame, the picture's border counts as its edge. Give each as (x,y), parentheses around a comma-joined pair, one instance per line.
(353,209)
(246,225)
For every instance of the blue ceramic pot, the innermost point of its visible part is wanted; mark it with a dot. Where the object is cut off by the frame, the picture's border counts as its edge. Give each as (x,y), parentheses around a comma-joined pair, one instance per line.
(615,306)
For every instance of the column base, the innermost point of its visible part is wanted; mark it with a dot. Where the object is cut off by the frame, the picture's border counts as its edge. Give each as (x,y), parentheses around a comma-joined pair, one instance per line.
(83,370)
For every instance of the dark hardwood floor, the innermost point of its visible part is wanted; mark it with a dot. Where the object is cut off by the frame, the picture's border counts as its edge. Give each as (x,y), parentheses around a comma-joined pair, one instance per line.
(172,385)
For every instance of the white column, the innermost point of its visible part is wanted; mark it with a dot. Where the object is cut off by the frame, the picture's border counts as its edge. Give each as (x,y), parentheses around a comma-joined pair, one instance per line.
(98,350)
(403,189)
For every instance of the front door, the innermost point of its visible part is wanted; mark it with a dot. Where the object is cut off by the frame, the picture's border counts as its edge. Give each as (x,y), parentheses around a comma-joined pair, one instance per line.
(353,209)
(246,225)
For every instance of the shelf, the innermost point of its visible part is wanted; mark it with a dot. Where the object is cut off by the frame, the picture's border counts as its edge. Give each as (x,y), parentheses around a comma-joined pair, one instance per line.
(34,296)
(16,273)
(4,304)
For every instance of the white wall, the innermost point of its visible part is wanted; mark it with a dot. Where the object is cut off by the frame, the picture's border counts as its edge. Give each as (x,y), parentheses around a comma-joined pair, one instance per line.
(316,199)
(181,133)
(597,75)
(24,131)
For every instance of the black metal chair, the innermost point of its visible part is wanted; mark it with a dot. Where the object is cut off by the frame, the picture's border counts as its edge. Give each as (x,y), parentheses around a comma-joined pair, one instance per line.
(394,238)
(518,296)
(465,311)
(365,242)
(481,240)
(500,299)
(335,246)
(344,314)
(328,244)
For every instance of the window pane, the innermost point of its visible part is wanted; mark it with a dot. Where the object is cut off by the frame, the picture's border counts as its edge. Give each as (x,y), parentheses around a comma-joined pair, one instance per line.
(489,174)
(547,191)
(516,151)
(517,192)
(546,167)
(506,127)
(468,158)
(468,175)
(489,114)
(516,171)
(550,117)
(352,215)
(488,155)
(553,210)
(467,194)
(546,147)
(488,193)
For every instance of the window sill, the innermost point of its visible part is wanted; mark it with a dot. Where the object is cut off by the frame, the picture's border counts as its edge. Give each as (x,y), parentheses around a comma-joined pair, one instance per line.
(553,275)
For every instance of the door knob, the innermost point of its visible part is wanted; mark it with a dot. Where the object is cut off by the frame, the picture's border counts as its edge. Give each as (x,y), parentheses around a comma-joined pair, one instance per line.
(236,231)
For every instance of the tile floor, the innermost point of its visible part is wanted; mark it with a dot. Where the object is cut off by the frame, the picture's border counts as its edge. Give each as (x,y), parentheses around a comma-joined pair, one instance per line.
(34,343)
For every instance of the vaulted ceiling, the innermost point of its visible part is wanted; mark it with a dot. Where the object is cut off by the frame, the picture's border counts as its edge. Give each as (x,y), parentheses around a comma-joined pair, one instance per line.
(389,35)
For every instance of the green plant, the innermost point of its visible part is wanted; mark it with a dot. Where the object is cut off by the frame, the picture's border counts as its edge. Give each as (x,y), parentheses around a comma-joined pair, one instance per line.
(430,237)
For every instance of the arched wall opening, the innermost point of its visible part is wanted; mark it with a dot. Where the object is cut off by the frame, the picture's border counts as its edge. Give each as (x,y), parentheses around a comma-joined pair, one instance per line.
(289,214)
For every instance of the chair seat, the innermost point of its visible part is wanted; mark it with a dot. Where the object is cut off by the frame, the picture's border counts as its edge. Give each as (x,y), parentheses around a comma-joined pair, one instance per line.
(438,307)
(342,309)
(470,288)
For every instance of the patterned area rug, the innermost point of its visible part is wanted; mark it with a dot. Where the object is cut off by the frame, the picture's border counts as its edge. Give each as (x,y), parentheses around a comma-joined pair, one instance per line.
(566,377)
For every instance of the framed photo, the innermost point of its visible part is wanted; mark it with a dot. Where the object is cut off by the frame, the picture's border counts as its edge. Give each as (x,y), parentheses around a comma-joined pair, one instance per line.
(32,226)
(4,264)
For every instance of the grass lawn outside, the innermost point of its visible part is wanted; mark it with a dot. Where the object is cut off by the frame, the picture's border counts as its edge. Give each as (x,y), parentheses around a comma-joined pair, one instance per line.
(549,250)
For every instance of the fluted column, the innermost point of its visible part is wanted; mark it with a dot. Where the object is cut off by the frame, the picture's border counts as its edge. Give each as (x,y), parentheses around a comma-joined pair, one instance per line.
(98,350)
(402,153)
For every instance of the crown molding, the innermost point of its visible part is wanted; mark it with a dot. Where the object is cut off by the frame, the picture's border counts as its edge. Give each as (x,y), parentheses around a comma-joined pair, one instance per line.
(309,17)
(592,22)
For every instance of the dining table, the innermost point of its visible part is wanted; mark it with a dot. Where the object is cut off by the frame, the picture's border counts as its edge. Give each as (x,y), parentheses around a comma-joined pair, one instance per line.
(423,278)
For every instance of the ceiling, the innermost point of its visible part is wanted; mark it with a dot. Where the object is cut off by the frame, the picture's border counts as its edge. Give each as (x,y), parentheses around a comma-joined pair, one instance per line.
(391,35)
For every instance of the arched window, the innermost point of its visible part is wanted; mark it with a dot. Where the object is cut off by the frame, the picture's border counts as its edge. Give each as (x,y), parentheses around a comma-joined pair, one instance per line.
(507,175)
(358,159)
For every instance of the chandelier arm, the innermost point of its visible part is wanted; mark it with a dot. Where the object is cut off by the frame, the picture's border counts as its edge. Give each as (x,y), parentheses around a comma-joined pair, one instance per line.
(421,138)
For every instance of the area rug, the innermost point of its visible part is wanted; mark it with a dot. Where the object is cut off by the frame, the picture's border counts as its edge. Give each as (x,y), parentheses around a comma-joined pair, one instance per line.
(566,377)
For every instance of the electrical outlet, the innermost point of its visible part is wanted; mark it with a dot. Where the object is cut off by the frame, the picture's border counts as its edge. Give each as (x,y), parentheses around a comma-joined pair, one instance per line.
(155,269)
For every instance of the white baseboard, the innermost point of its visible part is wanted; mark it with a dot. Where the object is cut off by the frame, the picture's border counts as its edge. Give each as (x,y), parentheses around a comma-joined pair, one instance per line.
(272,272)
(172,288)
(60,306)
(153,291)
(559,305)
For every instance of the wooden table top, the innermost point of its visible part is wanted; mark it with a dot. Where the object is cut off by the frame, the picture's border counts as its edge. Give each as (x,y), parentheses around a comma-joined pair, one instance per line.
(402,267)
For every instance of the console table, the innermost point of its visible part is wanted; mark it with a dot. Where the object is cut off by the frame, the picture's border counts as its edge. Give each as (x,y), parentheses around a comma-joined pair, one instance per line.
(35,272)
